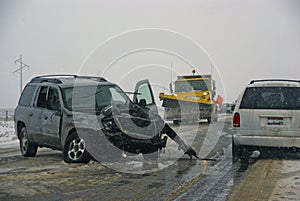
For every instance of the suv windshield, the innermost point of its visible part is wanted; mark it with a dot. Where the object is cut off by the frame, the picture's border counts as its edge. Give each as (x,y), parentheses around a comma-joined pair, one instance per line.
(287,98)
(93,96)
(189,85)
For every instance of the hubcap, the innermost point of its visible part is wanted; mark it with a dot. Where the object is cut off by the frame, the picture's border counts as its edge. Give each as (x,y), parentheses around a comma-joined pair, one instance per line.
(24,142)
(76,149)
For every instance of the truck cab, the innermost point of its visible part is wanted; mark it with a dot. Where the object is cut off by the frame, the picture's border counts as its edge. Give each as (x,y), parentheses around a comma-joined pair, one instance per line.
(191,99)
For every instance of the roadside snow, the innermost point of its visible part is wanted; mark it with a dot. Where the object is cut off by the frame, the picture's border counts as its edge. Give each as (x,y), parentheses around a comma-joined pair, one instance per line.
(288,187)
(9,144)
(7,131)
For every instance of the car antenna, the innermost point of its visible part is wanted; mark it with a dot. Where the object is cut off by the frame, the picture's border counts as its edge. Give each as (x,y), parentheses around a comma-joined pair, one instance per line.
(170,86)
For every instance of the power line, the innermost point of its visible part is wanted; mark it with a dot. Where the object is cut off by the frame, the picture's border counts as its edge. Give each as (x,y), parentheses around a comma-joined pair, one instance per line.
(20,70)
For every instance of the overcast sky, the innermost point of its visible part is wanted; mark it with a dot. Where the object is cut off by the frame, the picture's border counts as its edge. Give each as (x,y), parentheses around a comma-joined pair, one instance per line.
(237,40)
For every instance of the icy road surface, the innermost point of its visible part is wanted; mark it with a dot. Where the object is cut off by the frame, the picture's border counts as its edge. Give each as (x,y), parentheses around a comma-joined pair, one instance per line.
(47,177)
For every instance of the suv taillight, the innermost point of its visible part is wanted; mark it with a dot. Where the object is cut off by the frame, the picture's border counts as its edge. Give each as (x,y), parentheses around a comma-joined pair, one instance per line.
(236,120)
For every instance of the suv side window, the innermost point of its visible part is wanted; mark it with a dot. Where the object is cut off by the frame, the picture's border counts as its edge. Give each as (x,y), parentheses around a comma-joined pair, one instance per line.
(42,101)
(27,95)
(53,99)
(145,94)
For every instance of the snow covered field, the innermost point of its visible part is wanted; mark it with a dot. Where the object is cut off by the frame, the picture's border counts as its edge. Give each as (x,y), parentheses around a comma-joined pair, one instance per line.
(7,130)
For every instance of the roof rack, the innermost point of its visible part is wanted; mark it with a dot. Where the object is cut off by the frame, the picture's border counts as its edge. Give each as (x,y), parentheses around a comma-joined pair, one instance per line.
(56,80)
(95,78)
(281,80)
(57,75)
(50,78)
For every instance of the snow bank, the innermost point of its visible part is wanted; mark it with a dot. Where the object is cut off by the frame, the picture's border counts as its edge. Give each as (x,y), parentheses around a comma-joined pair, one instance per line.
(288,186)
(7,131)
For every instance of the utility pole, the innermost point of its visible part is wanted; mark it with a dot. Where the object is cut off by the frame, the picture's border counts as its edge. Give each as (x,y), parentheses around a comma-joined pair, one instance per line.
(20,70)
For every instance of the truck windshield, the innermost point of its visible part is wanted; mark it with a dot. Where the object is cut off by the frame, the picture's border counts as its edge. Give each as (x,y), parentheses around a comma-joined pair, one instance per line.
(93,96)
(287,98)
(190,85)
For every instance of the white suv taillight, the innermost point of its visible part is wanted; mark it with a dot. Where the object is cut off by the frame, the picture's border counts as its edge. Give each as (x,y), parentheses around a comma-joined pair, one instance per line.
(236,120)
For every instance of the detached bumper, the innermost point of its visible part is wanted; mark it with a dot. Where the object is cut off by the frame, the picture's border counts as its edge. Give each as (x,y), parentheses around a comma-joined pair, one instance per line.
(145,146)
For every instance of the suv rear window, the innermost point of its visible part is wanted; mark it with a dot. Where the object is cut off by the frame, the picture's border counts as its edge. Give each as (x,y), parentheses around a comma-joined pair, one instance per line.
(27,95)
(286,98)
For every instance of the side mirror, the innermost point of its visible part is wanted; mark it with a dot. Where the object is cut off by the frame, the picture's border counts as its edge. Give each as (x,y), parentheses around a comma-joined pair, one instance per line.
(232,107)
(214,85)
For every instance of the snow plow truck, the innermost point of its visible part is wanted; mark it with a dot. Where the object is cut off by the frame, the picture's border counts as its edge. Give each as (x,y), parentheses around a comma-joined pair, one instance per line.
(191,99)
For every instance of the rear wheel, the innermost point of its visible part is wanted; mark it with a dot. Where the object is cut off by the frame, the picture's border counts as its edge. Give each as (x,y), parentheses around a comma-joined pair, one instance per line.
(236,151)
(241,154)
(74,150)
(27,148)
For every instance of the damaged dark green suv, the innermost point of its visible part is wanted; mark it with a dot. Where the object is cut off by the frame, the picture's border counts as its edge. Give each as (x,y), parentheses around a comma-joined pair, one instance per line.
(83,115)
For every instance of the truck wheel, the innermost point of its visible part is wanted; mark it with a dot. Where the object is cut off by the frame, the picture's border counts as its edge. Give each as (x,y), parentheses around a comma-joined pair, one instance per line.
(27,148)
(209,120)
(74,150)
(176,122)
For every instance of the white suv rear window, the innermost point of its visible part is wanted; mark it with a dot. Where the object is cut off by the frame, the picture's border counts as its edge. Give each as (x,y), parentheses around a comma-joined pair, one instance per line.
(285,98)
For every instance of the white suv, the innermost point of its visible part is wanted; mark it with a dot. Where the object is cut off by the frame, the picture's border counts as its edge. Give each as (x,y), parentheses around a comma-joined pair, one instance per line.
(267,114)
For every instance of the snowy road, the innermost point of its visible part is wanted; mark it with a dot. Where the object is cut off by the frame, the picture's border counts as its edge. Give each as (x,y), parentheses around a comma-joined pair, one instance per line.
(47,177)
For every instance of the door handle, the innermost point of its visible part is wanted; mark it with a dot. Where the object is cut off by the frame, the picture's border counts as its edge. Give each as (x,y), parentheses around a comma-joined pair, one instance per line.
(30,114)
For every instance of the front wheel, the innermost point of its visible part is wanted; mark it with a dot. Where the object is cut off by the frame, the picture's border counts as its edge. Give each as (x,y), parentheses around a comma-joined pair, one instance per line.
(27,148)
(74,150)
